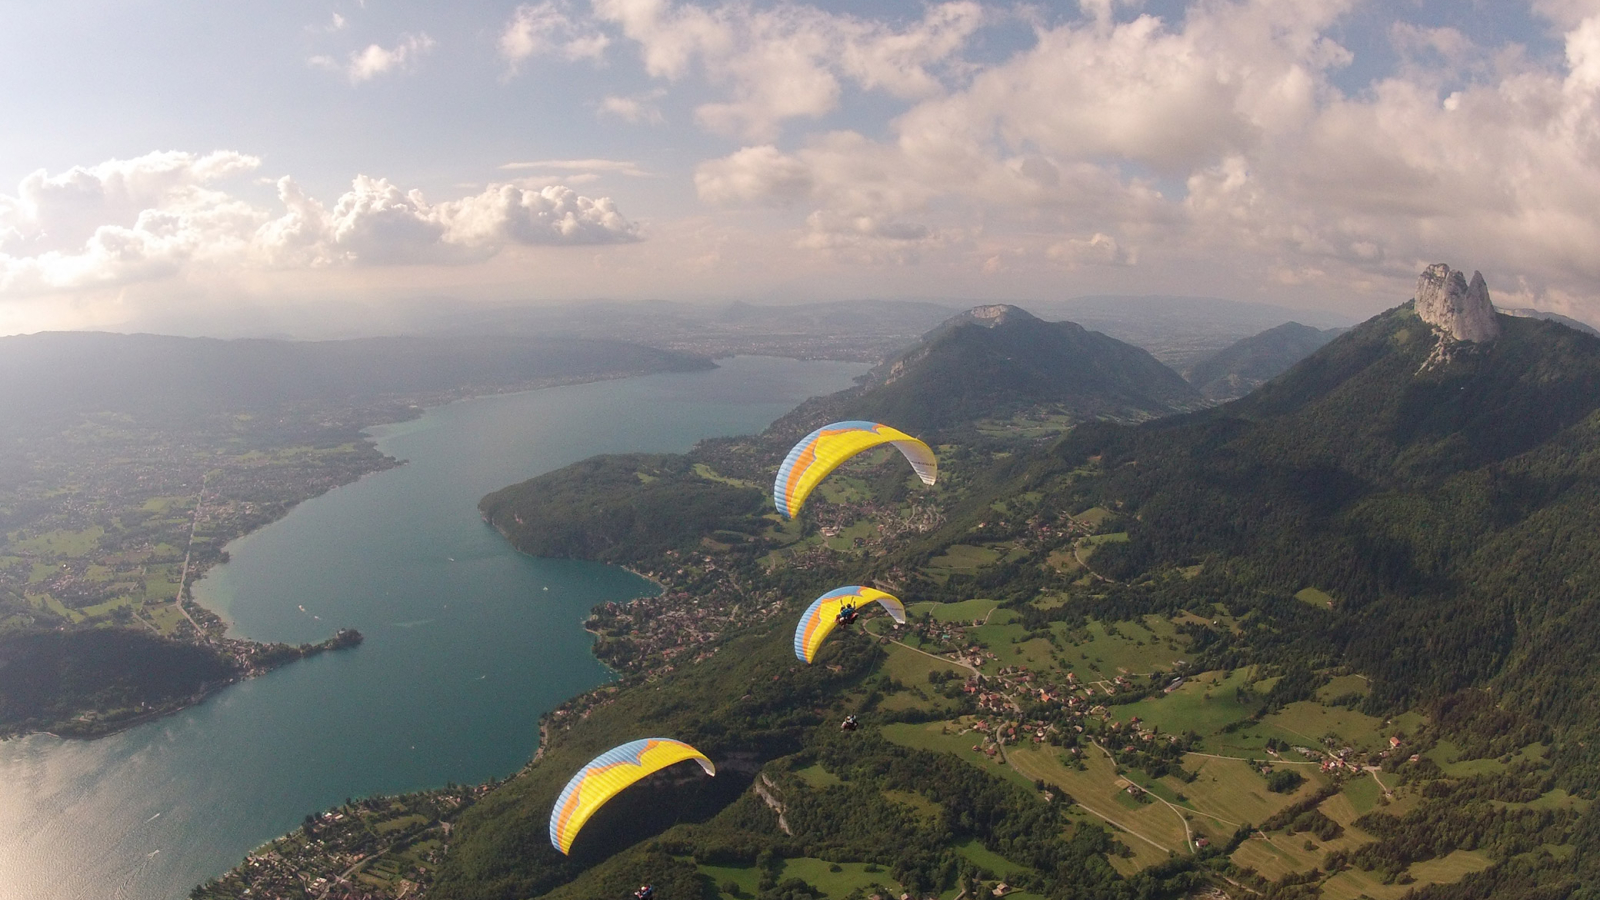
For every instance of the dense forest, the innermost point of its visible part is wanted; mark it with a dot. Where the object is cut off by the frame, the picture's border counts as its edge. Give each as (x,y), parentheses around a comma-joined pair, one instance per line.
(48,677)
(620,508)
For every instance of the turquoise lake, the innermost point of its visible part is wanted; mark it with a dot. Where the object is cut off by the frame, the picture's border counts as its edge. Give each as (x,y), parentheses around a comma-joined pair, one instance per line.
(468,642)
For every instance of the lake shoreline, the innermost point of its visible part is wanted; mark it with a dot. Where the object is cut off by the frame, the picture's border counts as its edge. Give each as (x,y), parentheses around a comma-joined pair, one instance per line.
(471,643)
(214,626)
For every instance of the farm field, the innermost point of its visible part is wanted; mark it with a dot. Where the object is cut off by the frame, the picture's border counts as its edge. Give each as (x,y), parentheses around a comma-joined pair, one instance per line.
(816,872)
(913,668)
(816,776)
(1353,884)
(1027,426)
(980,855)
(1203,704)
(144,490)
(1231,792)
(963,611)
(1112,537)
(1313,597)
(1094,517)
(1308,723)
(947,737)
(846,538)
(1152,831)
(1010,643)
(1220,785)
(964,558)
(1105,650)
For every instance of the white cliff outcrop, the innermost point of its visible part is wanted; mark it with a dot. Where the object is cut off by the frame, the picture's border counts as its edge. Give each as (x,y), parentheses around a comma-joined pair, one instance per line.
(1447,302)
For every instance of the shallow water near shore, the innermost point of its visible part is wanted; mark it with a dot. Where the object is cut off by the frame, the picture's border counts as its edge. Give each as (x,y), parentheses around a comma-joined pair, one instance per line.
(468,642)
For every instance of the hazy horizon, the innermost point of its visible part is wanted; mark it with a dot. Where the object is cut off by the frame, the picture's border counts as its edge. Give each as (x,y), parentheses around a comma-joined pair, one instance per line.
(427,316)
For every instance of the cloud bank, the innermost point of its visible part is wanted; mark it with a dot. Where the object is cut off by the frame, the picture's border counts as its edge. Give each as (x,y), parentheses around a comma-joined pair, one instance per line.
(1316,151)
(775,63)
(128,221)
(1142,142)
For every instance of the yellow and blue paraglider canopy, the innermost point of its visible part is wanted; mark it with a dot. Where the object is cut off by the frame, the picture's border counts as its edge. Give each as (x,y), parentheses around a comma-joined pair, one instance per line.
(828,447)
(823,614)
(609,774)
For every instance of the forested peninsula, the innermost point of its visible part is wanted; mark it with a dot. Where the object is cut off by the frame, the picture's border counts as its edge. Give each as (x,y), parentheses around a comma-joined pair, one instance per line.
(1328,640)
(108,679)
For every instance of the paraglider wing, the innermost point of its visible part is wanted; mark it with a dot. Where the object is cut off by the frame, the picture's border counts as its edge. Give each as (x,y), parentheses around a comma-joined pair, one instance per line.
(822,615)
(608,775)
(825,449)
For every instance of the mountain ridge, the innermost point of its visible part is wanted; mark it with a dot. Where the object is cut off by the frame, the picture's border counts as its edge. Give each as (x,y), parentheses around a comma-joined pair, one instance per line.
(996,361)
(53,374)
(1241,367)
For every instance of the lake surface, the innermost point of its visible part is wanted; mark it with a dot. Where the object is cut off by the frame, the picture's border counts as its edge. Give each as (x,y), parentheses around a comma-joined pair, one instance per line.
(468,642)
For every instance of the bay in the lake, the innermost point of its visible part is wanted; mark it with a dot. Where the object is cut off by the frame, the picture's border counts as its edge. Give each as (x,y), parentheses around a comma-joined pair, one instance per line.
(468,642)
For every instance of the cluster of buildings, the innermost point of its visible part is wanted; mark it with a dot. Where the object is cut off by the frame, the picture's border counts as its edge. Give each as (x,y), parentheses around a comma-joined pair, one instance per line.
(344,854)
(139,487)
(652,635)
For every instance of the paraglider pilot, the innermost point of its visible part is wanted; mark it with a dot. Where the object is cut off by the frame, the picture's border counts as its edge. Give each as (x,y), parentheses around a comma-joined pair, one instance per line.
(840,606)
(645,892)
(849,723)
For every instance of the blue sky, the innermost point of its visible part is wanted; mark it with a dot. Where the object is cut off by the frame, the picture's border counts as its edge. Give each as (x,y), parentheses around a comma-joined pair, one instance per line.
(201,162)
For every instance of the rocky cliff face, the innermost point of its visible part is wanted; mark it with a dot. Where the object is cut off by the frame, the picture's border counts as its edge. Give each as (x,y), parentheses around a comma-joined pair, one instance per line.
(1446,301)
(992,315)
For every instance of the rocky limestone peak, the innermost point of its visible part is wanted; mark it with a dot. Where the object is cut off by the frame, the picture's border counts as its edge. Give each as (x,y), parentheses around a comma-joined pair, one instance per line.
(1446,301)
(995,314)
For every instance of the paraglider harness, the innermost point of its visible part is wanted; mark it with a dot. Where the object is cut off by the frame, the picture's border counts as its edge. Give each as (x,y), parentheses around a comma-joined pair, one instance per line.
(645,892)
(849,723)
(847,615)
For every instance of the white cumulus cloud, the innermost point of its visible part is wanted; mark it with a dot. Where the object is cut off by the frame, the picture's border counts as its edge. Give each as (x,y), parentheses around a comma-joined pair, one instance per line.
(537,29)
(1122,140)
(754,175)
(637,109)
(129,221)
(787,61)
(375,222)
(375,60)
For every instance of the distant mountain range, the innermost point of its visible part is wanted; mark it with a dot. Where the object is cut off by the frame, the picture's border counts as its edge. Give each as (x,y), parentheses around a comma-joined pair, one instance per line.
(1181,331)
(52,374)
(1176,330)
(1523,312)
(1240,368)
(992,362)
